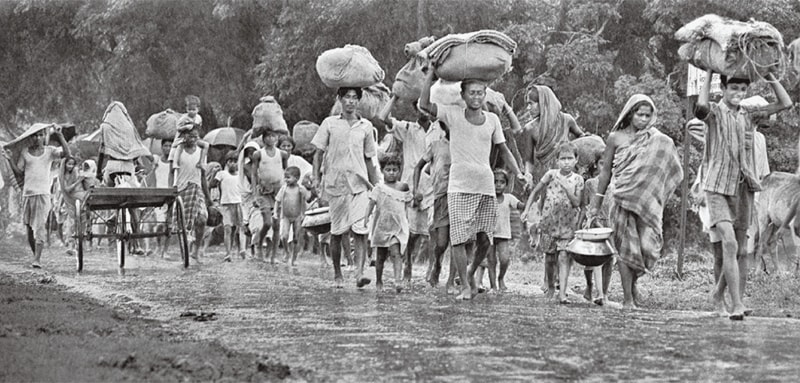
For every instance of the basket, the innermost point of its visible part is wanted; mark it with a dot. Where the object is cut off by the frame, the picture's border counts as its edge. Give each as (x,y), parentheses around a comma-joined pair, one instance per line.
(317,221)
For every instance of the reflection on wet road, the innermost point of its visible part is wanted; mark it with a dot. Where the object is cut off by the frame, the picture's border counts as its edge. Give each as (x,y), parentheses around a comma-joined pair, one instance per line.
(295,316)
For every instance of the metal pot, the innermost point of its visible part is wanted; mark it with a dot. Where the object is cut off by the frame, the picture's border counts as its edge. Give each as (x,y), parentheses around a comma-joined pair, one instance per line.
(591,253)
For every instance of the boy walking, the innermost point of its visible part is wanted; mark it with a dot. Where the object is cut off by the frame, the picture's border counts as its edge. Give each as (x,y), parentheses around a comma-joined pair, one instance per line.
(267,175)
(730,179)
(231,204)
(290,208)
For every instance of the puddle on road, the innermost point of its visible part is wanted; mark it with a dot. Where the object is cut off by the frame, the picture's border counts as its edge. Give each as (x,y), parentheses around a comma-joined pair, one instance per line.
(294,315)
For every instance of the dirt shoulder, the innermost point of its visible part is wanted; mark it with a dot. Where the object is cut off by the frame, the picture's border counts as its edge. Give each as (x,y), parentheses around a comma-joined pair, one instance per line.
(50,334)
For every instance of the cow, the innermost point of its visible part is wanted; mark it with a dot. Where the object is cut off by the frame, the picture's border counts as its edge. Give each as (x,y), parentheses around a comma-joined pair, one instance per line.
(778,209)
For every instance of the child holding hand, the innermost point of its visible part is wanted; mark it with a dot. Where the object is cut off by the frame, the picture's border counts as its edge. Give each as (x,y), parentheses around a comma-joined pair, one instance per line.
(390,231)
(562,201)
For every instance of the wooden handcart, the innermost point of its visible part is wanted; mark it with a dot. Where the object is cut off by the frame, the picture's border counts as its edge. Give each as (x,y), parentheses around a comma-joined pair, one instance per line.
(120,200)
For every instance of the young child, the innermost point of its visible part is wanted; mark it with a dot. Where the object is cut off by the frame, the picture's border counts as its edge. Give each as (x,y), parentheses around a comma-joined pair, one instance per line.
(160,171)
(35,164)
(290,208)
(390,231)
(231,204)
(502,232)
(286,144)
(601,220)
(268,164)
(559,217)
(71,191)
(438,155)
(186,123)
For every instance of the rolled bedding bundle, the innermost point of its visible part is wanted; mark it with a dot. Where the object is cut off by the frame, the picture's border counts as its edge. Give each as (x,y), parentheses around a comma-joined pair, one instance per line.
(407,83)
(372,101)
(733,48)
(483,55)
(349,66)
(268,114)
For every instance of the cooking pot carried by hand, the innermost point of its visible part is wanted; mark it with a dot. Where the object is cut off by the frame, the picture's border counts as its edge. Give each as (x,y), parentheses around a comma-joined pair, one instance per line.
(592,246)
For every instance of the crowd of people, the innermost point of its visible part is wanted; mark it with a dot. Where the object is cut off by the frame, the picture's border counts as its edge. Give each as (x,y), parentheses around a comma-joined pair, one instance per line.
(441,190)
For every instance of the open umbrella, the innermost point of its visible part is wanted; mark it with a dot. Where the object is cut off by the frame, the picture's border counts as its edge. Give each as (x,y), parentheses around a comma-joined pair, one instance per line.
(224,136)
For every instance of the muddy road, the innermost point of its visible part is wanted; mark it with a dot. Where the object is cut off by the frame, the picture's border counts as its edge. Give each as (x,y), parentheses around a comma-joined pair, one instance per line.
(294,316)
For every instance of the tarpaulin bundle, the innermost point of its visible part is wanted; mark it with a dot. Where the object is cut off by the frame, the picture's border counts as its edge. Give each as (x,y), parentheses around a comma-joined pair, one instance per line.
(483,55)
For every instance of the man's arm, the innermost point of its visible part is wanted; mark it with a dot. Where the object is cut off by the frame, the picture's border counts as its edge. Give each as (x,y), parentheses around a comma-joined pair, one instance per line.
(255,160)
(783,100)
(385,114)
(417,173)
(425,95)
(61,140)
(702,107)
(372,172)
(317,166)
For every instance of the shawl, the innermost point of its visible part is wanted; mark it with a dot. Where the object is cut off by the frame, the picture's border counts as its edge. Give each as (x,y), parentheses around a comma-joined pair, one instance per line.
(551,127)
(120,138)
(632,101)
(646,173)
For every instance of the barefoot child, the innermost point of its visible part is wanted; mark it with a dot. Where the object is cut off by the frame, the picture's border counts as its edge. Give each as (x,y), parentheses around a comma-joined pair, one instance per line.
(187,177)
(502,232)
(290,208)
(161,170)
(603,279)
(231,204)
(559,216)
(35,163)
(267,175)
(438,156)
(390,231)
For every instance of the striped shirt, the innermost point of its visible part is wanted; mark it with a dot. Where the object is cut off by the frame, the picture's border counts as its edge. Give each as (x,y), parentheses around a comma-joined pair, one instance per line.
(727,158)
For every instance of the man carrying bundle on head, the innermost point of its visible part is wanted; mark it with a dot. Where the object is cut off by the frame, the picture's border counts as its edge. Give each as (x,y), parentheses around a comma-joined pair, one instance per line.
(471,193)
(730,179)
(346,145)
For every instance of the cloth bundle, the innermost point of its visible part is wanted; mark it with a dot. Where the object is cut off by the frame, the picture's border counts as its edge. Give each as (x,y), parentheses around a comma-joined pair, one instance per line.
(163,125)
(268,114)
(372,101)
(484,55)
(350,66)
(303,132)
(408,81)
(732,48)
(119,135)
(590,149)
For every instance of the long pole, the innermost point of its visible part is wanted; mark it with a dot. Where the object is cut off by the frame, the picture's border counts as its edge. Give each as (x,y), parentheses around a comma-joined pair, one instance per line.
(685,184)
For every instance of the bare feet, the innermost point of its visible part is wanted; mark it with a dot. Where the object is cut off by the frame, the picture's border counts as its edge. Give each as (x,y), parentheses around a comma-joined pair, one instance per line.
(629,305)
(398,288)
(450,289)
(719,305)
(338,283)
(379,287)
(549,293)
(465,295)
(502,285)
(599,301)
(587,293)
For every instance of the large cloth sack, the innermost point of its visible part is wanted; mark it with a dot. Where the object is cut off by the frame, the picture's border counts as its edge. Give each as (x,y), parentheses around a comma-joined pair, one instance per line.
(372,101)
(475,61)
(303,132)
(733,48)
(268,115)
(119,135)
(484,55)
(350,66)
(409,79)
(163,125)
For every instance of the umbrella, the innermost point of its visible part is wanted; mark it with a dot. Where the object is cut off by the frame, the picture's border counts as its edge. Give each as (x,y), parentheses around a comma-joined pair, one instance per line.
(224,136)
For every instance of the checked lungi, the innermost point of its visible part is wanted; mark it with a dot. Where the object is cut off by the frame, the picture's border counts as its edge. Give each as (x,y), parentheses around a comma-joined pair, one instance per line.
(471,214)
(194,205)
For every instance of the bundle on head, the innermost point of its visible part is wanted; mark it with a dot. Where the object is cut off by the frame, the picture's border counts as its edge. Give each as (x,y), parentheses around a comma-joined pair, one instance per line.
(736,49)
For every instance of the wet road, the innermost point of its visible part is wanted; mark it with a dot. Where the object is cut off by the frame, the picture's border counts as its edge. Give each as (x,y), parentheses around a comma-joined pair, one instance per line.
(293,315)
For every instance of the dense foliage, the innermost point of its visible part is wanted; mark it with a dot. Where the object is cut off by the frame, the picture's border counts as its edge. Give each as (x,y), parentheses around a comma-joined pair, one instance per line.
(66,60)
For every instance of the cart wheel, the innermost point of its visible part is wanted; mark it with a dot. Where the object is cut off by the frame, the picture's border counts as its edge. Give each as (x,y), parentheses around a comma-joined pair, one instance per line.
(182,241)
(121,243)
(80,231)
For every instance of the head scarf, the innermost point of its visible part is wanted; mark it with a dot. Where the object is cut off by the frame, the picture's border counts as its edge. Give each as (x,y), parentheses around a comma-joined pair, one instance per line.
(244,184)
(632,101)
(552,128)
